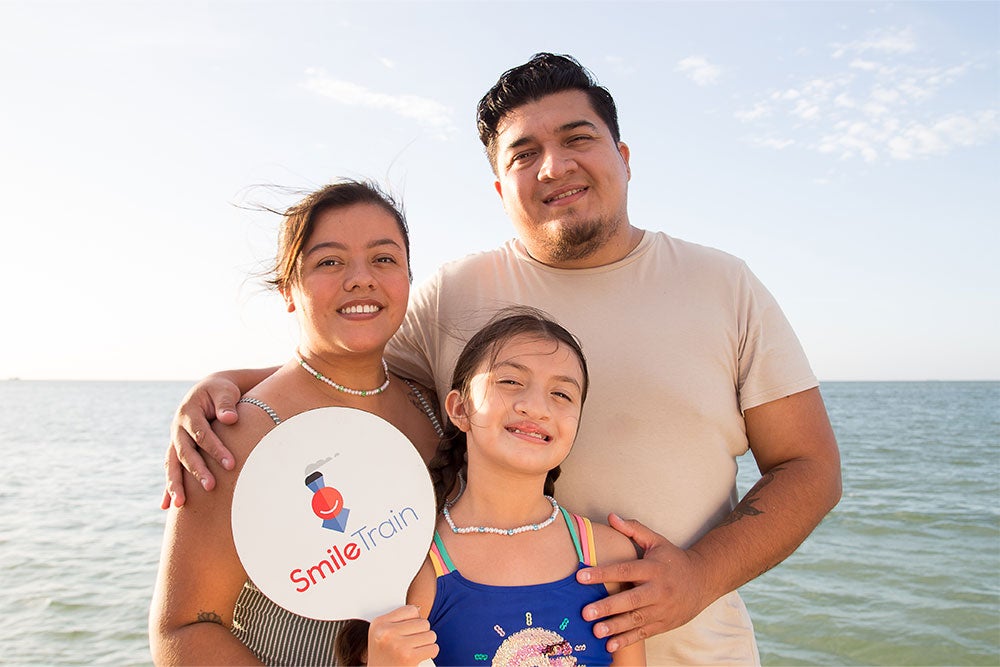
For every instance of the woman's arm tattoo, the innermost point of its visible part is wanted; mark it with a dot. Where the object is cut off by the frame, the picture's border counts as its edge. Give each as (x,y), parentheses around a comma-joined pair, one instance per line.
(209,617)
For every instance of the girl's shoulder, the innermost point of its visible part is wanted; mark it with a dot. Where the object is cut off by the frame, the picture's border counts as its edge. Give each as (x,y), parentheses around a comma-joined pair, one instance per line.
(611,546)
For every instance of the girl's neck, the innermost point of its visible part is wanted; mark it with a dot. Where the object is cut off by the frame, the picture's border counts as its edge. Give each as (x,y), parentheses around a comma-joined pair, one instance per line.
(501,501)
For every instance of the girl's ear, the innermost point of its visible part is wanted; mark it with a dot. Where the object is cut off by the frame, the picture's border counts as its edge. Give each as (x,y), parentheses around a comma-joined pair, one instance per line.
(455,407)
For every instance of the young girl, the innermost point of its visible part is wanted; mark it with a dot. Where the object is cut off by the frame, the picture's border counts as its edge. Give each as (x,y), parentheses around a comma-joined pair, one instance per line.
(499,585)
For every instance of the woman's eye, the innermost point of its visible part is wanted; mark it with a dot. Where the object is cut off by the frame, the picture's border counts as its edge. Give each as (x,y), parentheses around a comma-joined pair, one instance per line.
(385,260)
(562,395)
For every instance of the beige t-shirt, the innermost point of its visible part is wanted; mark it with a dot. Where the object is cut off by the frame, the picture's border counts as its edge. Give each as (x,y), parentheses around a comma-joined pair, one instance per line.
(680,339)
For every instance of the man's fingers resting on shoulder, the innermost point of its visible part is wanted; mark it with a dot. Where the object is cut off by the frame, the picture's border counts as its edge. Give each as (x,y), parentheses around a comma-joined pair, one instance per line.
(636,531)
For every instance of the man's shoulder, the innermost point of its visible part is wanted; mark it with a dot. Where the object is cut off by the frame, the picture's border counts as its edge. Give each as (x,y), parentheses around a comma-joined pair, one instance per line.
(478,261)
(692,249)
(689,256)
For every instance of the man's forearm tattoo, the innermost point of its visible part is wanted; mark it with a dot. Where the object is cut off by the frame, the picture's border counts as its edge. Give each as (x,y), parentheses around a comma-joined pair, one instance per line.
(745,507)
(209,617)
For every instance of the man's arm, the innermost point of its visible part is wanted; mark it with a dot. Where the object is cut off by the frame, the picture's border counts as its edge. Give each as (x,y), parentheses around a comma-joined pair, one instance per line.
(214,397)
(796,452)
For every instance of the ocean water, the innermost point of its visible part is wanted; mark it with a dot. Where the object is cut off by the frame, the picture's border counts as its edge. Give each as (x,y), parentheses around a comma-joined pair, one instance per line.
(905,571)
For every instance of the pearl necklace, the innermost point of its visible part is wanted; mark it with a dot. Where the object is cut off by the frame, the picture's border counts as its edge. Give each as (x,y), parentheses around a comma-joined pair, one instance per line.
(347,390)
(500,531)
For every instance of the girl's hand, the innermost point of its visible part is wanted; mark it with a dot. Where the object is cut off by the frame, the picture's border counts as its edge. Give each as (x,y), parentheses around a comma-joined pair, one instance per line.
(401,637)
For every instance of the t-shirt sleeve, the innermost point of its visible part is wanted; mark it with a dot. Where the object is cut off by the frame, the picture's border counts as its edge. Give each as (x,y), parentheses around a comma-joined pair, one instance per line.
(410,352)
(772,363)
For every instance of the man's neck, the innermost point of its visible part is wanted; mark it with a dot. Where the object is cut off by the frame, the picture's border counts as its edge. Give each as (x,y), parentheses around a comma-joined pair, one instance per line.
(613,251)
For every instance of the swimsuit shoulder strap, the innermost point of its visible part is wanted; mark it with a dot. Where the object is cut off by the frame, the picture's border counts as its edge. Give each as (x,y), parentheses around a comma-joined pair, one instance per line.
(439,557)
(426,406)
(582,532)
(263,406)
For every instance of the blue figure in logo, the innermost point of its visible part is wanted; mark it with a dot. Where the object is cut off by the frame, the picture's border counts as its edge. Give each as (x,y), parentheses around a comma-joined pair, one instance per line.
(327,503)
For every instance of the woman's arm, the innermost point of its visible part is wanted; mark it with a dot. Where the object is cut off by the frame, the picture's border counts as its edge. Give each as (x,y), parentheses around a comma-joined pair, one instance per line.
(200,575)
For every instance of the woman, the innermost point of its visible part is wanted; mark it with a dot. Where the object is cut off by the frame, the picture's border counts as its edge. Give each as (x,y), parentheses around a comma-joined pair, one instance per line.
(343,269)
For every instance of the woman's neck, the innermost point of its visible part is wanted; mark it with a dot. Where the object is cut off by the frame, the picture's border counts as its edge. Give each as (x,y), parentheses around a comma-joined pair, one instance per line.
(360,371)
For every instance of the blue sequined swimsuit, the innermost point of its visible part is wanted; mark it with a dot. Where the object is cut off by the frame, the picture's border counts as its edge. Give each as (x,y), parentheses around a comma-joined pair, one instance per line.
(479,624)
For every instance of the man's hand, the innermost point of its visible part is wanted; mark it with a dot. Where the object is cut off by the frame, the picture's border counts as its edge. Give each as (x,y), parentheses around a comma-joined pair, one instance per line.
(213,398)
(666,590)
(401,637)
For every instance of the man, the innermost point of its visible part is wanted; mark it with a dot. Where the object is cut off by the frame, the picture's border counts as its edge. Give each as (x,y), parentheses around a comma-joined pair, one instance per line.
(691,359)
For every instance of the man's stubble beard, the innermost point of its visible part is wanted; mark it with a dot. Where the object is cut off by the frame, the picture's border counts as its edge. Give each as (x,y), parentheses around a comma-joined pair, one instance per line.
(574,242)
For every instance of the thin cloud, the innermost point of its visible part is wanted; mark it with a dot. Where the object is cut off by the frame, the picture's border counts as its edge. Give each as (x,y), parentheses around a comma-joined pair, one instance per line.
(699,70)
(426,112)
(876,107)
(891,41)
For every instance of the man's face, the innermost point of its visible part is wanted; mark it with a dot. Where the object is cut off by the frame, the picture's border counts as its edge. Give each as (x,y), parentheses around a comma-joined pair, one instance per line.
(563,180)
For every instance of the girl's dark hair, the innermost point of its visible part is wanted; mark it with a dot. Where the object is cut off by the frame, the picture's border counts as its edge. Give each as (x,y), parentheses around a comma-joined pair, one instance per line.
(450,460)
(351,645)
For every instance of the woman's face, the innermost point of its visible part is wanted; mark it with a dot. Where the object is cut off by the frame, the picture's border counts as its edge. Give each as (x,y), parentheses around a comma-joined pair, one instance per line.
(352,283)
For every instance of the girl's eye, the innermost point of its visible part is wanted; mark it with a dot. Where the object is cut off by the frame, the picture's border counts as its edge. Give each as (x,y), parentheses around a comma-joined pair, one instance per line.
(329,262)
(562,395)
(509,381)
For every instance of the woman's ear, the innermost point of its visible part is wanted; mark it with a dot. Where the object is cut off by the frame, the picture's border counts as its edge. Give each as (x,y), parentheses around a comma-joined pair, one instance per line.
(455,407)
(286,294)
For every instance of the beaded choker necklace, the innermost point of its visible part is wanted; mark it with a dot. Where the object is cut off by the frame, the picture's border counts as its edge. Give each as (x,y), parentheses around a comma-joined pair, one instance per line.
(347,390)
(500,531)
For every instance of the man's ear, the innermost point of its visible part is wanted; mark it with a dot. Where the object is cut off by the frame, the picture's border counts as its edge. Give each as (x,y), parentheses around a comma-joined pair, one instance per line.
(624,151)
(455,407)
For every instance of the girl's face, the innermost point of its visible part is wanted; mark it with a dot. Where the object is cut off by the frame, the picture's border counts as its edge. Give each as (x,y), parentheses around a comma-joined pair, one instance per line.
(352,283)
(521,414)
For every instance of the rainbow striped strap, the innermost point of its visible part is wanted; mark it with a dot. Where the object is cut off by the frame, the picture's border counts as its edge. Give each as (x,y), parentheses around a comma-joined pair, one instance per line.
(439,557)
(582,532)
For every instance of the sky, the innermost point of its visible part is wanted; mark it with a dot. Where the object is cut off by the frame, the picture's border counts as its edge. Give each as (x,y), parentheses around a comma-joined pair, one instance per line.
(847,151)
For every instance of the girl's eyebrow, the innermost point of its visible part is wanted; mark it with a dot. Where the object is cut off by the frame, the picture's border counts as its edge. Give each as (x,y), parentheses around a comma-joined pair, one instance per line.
(336,245)
(524,369)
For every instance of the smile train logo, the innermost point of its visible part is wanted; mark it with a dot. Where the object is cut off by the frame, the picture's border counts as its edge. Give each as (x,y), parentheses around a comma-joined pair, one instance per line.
(327,503)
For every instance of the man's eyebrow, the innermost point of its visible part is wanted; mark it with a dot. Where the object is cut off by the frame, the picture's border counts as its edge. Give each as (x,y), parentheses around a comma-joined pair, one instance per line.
(336,245)
(567,127)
